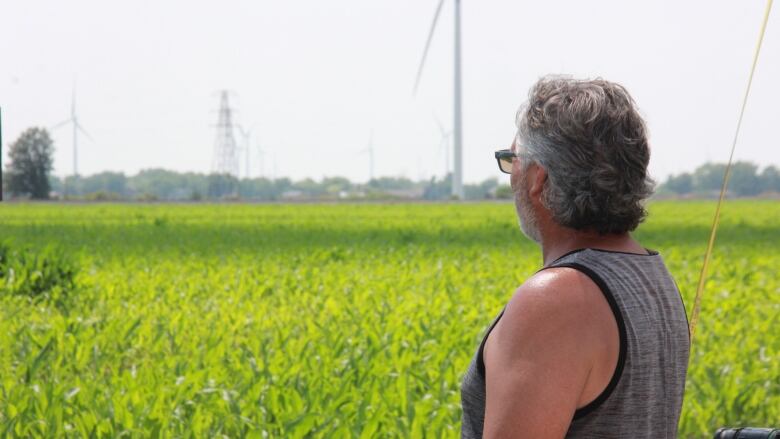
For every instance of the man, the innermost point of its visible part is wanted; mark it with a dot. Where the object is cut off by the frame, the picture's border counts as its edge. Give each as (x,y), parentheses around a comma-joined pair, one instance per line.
(595,344)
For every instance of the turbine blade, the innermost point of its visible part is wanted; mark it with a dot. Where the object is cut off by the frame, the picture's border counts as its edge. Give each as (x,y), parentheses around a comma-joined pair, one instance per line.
(427,46)
(83,131)
(64,122)
(441,127)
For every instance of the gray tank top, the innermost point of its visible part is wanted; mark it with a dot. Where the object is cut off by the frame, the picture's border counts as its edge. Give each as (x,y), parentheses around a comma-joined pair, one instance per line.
(644,397)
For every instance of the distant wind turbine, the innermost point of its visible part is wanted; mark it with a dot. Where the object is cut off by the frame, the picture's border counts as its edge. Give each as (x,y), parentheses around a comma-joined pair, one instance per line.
(457,177)
(73,119)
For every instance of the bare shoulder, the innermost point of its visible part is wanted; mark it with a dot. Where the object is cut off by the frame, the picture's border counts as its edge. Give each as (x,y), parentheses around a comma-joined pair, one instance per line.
(559,303)
(559,290)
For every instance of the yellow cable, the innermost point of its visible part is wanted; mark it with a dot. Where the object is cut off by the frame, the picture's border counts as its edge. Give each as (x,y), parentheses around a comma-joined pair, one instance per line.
(703,275)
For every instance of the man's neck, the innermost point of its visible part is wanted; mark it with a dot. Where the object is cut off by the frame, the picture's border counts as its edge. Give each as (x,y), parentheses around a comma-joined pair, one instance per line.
(565,240)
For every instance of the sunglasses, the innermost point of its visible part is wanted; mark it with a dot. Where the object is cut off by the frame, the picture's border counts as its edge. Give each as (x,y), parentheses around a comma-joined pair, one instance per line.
(504,158)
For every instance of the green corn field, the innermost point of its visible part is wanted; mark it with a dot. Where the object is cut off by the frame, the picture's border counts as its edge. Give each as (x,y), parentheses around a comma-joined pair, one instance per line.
(342,320)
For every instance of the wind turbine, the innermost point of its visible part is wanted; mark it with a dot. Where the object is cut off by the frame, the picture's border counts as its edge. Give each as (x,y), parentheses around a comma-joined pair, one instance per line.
(73,119)
(457,176)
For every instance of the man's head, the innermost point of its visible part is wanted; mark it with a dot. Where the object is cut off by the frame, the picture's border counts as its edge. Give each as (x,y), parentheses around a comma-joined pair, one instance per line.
(583,156)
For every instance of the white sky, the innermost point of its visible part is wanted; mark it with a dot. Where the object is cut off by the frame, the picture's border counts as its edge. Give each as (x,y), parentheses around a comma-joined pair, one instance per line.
(314,78)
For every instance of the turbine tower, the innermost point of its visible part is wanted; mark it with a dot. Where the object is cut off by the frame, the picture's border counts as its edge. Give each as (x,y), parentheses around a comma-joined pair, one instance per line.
(457,119)
(73,119)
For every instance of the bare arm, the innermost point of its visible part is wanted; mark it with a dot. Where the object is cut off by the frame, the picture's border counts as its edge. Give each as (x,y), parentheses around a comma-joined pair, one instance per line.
(541,354)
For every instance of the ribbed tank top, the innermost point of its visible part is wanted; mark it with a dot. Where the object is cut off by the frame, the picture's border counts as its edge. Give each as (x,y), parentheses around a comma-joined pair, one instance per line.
(644,397)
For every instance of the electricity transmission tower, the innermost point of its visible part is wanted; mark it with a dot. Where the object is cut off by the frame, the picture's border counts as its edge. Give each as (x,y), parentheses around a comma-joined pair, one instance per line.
(225,164)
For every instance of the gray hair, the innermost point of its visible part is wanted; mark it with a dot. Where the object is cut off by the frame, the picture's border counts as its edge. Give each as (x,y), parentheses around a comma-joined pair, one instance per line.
(591,140)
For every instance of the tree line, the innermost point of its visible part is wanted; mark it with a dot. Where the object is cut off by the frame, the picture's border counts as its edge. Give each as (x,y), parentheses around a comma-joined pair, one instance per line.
(28,175)
(161,184)
(745,180)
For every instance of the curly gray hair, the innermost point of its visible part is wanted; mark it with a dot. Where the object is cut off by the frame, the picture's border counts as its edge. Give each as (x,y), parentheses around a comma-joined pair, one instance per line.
(591,140)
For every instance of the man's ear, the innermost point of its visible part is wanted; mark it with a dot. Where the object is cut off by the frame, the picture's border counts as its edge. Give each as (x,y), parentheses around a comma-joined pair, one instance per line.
(537,176)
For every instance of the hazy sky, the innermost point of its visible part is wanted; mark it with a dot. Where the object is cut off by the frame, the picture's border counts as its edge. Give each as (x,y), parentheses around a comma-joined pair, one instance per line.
(312,79)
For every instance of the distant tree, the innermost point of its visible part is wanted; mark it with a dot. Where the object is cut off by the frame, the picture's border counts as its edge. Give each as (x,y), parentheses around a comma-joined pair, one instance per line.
(167,185)
(744,179)
(30,162)
(680,184)
(391,183)
(334,185)
(73,185)
(309,187)
(55,183)
(770,179)
(222,186)
(481,190)
(282,184)
(438,189)
(256,188)
(106,182)
(192,183)
(504,192)
(708,177)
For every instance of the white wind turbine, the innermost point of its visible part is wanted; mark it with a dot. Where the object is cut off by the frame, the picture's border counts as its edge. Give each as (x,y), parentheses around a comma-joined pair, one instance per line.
(457,175)
(73,119)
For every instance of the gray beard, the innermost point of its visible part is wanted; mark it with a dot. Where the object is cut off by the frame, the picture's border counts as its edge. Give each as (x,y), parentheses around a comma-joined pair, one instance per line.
(526,218)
